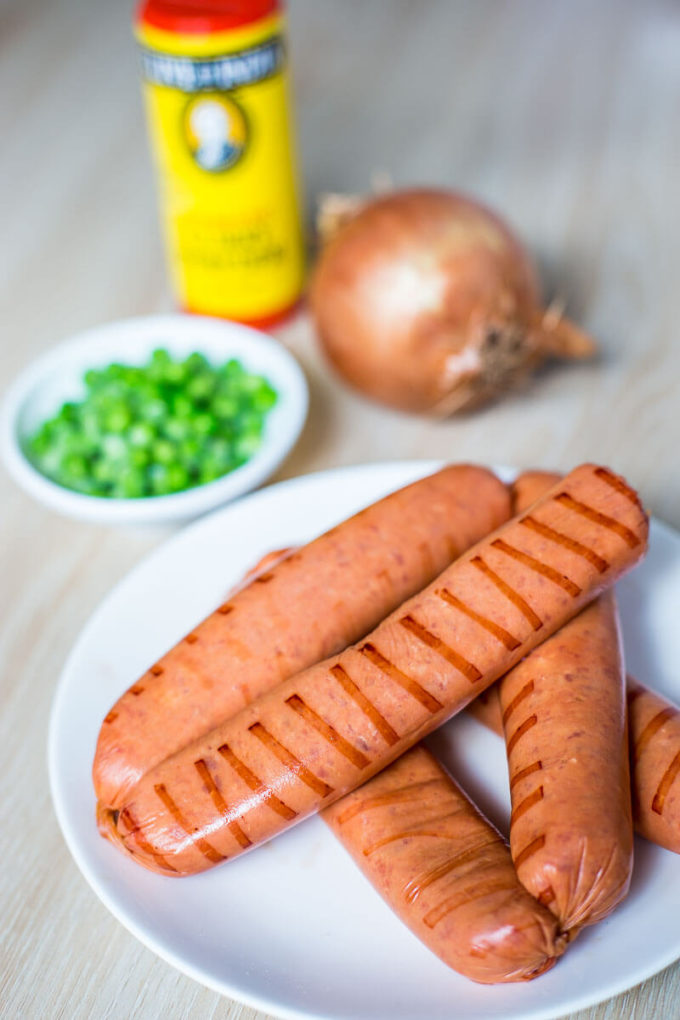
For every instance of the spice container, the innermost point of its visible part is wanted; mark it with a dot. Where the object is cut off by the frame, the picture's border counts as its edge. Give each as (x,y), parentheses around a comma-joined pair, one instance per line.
(216,93)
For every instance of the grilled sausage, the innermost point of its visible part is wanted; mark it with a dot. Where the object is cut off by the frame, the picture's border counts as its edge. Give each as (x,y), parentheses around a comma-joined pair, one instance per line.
(446,872)
(310,604)
(564,717)
(325,731)
(654,746)
(655,765)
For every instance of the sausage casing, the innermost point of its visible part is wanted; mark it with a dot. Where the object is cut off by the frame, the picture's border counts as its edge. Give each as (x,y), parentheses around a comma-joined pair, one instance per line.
(564,717)
(325,731)
(304,608)
(445,871)
(655,765)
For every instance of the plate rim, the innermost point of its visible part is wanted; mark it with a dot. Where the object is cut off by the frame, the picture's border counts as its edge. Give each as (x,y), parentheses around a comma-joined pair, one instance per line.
(632,978)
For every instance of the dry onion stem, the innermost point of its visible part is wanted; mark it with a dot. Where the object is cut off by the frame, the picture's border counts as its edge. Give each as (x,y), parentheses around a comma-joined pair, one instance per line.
(424,300)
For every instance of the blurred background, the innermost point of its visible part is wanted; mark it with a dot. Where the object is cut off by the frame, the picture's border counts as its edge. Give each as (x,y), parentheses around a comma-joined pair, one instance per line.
(562,116)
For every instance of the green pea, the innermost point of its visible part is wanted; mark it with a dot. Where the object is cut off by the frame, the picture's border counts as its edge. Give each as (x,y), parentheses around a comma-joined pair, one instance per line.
(142,434)
(139,457)
(204,424)
(118,418)
(178,477)
(196,362)
(176,429)
(163,451)
(182,406)
(158,478)
(153,410)
(130,484)
(154,429)
(201,387)
(224,406)
(114,447)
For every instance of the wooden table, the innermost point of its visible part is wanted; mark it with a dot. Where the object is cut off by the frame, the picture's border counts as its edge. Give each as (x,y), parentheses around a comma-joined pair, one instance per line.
(562,115)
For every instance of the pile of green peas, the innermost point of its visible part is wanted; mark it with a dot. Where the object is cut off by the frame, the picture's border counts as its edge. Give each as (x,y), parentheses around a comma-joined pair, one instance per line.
(154,429)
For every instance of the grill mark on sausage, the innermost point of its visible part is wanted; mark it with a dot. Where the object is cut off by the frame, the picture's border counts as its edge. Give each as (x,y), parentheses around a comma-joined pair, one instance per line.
(191,639)
(437,914)
(518,699)
(208,851)
(526,804)
(135,830)
(263,578)
(536,766)
(664,786)
(411,686)
(652,727)
(537,566)
(529,850)
(509,592)
(597,561)
(589,512)
(111,716)
(452,548)
(136,689)
(156,670)
(546,896)
(500,633)
(403,795)
(415,886)
(407,833)
(389,735)
(292,763)
(439,646)
(221,804)
(256,784)
(520,731)
(634,690)
(353,754)
(618,483)
(225,609)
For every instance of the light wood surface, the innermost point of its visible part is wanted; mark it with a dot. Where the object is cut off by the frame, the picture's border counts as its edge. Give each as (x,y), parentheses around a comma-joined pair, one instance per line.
(563,116)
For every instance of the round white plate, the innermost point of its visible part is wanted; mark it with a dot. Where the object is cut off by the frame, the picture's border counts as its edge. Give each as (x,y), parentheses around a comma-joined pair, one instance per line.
(293,928)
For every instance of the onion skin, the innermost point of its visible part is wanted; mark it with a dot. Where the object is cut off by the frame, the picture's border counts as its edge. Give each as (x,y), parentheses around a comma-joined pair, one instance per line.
(425,301)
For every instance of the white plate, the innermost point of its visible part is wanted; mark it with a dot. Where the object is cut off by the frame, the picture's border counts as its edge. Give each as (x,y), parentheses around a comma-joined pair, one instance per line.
(57,376)
(293,928)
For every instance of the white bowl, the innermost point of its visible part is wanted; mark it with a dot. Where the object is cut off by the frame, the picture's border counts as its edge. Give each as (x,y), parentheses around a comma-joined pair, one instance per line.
(57,376)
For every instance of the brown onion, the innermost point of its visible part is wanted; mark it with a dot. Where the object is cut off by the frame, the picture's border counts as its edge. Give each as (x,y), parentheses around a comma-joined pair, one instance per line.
(424,300)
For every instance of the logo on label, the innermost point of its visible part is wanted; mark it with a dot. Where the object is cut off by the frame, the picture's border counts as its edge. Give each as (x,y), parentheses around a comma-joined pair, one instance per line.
(231,71)
(216,131)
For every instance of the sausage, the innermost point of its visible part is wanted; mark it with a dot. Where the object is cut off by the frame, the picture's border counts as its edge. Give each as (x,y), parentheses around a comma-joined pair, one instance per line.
(564,716)
(487,710)
(480,920)
(323,732)
(307,606)
(654,751)
(456,887)
(446,872)
(655,765)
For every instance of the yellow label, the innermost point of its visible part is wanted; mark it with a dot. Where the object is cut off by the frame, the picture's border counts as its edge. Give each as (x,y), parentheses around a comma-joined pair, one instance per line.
(219,120)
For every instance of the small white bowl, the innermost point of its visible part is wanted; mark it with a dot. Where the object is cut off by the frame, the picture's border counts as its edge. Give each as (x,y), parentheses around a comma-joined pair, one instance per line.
(57,376)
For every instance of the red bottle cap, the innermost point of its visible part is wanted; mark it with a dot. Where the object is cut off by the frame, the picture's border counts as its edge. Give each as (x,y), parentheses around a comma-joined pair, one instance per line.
(201,17)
